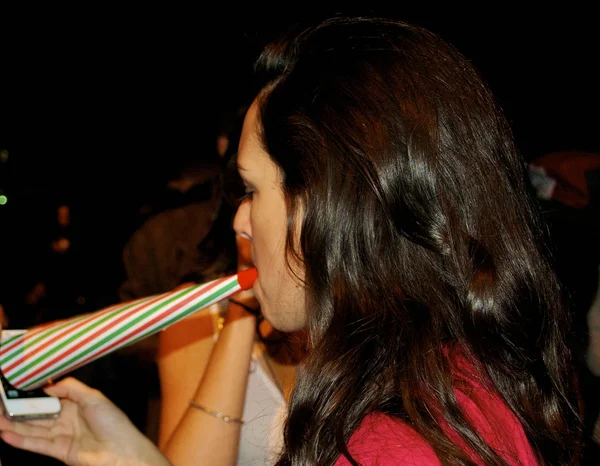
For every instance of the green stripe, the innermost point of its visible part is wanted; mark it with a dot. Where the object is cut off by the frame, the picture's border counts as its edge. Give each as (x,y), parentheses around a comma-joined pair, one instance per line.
(75,336)
(55,373)
(46,333)
(191,310)
(87,329)
(15,352)
(198,306)
(11,339)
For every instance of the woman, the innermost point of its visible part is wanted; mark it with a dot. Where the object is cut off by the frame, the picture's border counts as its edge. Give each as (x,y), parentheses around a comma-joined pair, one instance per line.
(388,215)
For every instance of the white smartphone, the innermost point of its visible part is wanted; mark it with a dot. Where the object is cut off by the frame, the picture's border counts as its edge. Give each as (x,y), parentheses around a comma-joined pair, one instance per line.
(24,405)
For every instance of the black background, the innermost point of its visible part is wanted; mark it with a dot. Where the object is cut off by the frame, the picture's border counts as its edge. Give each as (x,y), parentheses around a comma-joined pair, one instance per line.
(97,104)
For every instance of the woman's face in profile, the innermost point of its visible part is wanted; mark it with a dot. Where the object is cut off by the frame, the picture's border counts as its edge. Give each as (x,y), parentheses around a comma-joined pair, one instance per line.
(262,218)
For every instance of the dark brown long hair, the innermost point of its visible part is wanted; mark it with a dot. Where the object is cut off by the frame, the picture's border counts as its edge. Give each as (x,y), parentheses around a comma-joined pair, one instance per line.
(418,235)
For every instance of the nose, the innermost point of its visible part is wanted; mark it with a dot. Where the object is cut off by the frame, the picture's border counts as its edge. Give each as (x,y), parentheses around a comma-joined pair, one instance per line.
(241,221)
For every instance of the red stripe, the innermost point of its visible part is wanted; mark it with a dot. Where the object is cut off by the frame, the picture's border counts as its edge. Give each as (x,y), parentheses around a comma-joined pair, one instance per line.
(99,332)
(34,331)
(69,329)
(14,343)
(29,333)
(111,346)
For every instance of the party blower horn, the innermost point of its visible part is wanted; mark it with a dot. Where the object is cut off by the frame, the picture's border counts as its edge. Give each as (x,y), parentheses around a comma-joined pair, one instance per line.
(43,353)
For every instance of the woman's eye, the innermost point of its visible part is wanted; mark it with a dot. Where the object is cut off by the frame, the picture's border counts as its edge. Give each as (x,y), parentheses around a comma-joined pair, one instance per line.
(247,195)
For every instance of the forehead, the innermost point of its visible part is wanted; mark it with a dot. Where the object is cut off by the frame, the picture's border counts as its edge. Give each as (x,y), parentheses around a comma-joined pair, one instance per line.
(250,148)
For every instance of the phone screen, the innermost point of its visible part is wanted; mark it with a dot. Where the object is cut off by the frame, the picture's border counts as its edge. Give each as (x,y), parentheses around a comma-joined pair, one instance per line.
(13,393)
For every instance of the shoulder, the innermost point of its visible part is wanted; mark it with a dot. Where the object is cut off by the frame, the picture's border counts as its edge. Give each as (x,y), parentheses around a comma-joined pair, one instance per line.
(383,440)
(489,415)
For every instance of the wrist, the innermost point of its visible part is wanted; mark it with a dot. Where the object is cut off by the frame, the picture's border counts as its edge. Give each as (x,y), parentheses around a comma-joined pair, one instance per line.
(247,297)
(250,307)
(242,305)
(156,460)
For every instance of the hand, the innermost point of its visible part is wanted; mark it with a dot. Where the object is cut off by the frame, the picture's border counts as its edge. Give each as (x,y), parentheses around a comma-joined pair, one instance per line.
(91,430)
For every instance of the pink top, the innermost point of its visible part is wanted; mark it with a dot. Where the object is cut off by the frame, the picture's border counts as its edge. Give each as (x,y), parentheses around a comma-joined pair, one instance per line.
(385,441)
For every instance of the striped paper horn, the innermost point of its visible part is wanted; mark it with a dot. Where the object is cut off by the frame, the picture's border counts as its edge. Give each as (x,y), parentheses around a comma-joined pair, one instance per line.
(31,359)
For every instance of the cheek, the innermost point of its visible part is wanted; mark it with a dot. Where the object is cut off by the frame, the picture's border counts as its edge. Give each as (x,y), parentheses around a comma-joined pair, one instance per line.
(268,233)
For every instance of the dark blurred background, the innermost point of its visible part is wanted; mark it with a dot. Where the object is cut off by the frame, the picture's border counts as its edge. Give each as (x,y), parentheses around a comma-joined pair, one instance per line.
(98,105)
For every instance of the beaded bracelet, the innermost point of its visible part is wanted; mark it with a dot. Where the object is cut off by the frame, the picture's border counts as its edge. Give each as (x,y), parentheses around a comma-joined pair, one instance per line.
(216,414)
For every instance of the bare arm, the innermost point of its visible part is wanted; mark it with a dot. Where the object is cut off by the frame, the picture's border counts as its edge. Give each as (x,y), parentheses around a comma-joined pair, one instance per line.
(183,353)
(200,438)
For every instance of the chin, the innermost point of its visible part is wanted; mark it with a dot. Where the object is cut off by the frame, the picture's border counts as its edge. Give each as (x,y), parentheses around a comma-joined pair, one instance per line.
(287,325)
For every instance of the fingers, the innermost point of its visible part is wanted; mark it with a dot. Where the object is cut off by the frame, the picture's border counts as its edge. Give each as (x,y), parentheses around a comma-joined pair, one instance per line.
(49,447)
(42,436)
(75,390)
(4,423)
(30,428)
(47,423)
